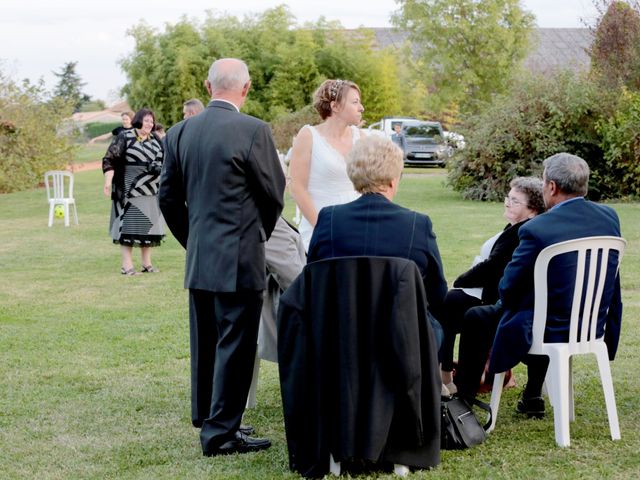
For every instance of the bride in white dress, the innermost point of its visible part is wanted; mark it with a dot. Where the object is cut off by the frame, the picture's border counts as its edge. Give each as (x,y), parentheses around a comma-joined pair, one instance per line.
(317,168)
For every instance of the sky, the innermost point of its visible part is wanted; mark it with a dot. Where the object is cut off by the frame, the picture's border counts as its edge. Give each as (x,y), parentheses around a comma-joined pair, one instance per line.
(37,37)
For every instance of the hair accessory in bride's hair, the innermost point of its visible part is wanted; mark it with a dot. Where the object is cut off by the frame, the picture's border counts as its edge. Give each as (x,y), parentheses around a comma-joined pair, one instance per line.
(335,89)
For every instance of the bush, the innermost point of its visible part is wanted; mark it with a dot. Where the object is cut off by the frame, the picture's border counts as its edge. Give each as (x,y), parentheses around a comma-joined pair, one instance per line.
(540,116)
(94,129)
(621,144)
(34,137)
(93,106)
(287,125)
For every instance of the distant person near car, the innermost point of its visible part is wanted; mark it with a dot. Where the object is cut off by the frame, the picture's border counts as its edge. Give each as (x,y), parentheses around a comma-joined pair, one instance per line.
(397,136)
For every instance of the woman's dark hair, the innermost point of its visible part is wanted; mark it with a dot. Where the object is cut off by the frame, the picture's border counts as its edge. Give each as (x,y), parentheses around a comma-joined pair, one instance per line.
(136,122)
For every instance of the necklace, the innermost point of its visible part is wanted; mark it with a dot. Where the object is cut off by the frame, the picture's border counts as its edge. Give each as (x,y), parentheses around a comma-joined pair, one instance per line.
(139,137)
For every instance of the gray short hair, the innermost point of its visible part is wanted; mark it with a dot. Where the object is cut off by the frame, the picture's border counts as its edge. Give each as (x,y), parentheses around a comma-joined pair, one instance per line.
(373,162)
(569,172)
(228,74)
(194,105)
(530,187)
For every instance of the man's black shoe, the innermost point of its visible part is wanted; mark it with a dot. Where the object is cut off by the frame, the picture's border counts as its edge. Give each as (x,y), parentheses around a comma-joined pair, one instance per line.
(240,444)
(532,407)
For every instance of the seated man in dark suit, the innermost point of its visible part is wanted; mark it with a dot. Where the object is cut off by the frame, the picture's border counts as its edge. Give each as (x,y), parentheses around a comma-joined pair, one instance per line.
(569,216)
(374,226)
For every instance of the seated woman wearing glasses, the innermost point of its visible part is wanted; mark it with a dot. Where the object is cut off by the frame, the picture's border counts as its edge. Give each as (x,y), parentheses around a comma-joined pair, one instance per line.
(479,285)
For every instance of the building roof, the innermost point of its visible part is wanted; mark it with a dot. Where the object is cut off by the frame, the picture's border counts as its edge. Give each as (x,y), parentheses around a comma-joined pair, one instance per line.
(551,48)
(109,115)
(554,48)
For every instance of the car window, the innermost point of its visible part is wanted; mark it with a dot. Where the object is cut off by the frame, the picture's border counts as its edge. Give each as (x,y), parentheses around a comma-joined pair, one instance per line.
(426,131)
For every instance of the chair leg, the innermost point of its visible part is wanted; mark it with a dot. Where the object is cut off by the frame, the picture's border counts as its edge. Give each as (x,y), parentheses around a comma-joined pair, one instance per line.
(400,470)
(572,406)
(559,393)
(66,214)
(75,213)
(51,207)
(251,398)
(334,467)
(496,393)
(609,396)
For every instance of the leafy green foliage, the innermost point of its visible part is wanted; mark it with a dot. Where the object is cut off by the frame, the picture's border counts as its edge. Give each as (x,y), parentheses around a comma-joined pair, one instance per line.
(286,64)
(615,54)
(621,145)
(469,49)
(69,86)
(94,129)
(34,137)
(287,125)
(540,116)
(93,106)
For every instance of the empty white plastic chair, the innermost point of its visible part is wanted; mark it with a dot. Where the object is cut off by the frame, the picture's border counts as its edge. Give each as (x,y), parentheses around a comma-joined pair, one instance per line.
(59,185)
(591,266)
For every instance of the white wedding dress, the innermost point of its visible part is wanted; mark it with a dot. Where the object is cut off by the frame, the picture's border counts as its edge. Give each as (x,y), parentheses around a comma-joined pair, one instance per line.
(328,180)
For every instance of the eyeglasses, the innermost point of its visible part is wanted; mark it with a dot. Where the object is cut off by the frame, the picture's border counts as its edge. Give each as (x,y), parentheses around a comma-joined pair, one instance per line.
(513,202)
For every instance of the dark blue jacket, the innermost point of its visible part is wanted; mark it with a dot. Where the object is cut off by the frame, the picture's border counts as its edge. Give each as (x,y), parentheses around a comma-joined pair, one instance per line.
(374,226)
(577,218)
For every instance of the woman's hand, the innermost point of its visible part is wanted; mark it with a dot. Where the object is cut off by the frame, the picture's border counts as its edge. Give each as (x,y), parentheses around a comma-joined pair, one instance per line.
(108,180)
(299,168)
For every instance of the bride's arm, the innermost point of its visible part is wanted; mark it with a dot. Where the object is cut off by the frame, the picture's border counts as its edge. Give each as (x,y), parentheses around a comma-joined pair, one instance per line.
(299,167)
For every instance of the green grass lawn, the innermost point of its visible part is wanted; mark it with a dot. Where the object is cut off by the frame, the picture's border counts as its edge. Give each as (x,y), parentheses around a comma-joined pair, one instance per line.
(91,153)
(95,366)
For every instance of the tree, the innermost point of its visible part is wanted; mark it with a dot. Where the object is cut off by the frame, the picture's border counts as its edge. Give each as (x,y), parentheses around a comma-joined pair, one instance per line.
(540,115)
(286,64)
(34,137)
(615,53)
(69,86)
(469,49)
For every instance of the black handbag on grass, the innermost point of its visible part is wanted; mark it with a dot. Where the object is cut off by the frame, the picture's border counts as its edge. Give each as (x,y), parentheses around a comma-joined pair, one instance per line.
(460,427)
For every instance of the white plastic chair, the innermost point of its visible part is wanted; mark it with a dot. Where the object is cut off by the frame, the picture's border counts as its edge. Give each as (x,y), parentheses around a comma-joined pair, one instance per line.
(559,379)
(59,185)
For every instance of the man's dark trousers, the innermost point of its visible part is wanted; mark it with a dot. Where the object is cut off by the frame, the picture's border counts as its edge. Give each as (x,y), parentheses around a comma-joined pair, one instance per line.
(223,332)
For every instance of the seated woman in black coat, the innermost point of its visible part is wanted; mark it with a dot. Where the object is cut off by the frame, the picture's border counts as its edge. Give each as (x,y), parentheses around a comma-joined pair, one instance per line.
(479,285)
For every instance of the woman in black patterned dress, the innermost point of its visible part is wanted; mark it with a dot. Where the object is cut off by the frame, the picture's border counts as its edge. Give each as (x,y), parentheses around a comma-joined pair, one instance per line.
(131,169)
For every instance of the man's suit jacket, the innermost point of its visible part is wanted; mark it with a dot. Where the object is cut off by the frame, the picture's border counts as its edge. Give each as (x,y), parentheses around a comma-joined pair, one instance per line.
(487,274)
(221,194)
(577,218)
(375,226)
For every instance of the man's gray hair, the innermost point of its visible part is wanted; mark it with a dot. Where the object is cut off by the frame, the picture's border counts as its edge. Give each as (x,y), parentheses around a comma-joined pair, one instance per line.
(569,172)
(195,105)
(227,76)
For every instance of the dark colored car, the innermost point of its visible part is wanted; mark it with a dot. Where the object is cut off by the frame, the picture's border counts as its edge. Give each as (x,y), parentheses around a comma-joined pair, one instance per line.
(425,143)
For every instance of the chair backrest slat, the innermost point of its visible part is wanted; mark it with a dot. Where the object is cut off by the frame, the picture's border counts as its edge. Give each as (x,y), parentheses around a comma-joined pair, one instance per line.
(585,305)
(577,297)
(55,184)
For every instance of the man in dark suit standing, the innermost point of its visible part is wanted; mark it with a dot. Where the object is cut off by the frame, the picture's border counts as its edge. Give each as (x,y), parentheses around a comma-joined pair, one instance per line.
(221,194)
(569,216)
(373,225)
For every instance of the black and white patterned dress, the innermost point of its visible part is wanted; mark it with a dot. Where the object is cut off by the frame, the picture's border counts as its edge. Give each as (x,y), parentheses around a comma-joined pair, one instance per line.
(135,215)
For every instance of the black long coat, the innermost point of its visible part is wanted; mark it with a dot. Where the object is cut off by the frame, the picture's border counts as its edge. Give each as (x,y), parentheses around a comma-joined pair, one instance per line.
(358,365)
